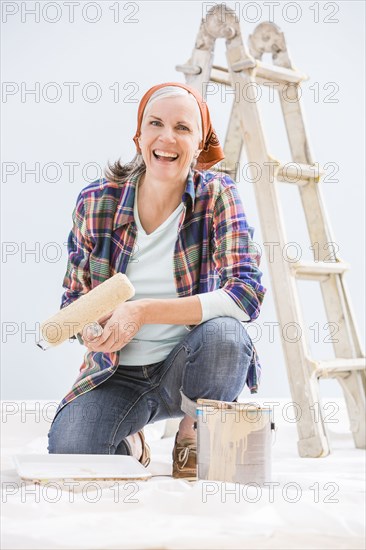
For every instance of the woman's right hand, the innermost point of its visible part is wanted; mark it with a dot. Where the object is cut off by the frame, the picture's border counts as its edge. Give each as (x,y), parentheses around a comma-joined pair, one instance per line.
(94,330)
(120,327)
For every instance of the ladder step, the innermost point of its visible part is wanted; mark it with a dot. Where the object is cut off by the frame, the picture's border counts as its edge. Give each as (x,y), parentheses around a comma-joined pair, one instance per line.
(294,172)
(279,74)
(189,69)
(220,75)
(318,270)
(298,174)
(336,367)
(263,73)
(243,65)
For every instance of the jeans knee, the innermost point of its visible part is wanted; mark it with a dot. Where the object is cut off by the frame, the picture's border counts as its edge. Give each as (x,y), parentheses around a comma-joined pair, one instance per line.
(66,437)
(226,335)
(65,445)
(59,442)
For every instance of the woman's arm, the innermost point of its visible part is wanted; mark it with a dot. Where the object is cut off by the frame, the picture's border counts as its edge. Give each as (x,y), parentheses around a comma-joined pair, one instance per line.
(219,304)
(235,255)
(128,318)
(77,277)
(174,311)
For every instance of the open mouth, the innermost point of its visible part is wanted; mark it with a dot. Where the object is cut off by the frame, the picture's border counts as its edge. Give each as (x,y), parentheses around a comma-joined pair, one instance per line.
(165,156)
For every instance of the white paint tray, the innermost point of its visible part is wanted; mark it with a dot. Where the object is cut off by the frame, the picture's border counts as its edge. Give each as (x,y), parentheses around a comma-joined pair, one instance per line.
(46,467)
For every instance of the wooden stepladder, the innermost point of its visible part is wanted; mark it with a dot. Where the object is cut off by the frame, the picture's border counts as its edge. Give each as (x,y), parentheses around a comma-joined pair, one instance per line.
(245,128)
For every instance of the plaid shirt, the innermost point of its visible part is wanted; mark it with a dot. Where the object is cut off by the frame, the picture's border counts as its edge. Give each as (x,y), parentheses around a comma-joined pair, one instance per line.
(214,249)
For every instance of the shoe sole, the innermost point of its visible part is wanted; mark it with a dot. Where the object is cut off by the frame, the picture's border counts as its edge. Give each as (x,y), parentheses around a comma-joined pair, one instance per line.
(186,478)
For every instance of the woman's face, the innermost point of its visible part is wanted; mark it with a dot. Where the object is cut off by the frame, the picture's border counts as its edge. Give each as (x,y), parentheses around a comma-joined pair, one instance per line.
(170,136)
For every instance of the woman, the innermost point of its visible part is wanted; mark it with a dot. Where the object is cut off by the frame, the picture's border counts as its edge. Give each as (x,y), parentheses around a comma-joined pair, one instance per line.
(179,233)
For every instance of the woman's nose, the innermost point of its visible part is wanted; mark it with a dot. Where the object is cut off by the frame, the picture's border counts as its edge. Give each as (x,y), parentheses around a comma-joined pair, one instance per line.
(167,135)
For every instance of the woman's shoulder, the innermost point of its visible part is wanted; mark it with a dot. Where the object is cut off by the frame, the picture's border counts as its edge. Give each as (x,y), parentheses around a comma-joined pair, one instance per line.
(99,187)
(100,196)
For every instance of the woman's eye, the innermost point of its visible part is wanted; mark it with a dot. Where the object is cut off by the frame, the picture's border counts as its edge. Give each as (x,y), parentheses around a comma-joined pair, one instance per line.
(179,126)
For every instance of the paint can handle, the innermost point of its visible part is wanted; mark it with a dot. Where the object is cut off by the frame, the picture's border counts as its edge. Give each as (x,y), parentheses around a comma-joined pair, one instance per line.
(274,433)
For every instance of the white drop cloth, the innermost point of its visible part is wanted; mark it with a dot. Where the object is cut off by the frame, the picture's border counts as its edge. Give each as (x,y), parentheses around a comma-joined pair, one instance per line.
(319,503)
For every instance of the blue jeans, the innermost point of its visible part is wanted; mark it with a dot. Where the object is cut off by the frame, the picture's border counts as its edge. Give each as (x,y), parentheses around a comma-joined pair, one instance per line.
(210,362)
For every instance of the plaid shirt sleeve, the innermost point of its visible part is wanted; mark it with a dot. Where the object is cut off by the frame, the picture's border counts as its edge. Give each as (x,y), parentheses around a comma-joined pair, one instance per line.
(235,256)
(77,279)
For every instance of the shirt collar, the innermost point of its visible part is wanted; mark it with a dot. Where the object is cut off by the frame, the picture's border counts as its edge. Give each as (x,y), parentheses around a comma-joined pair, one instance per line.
(124,213)
(190,190)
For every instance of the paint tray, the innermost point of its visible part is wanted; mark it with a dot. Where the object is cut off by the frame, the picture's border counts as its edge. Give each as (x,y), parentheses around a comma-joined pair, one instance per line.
(41,468)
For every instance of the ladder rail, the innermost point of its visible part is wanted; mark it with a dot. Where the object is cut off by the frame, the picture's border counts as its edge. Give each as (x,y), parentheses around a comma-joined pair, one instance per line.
(333,288)
(245,69)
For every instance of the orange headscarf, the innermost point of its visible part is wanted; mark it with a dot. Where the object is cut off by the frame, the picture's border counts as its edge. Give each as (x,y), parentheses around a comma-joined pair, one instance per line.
(211,149)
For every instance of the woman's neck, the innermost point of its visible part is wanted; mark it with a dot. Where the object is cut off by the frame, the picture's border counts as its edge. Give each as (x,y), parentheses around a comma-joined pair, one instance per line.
(161,195)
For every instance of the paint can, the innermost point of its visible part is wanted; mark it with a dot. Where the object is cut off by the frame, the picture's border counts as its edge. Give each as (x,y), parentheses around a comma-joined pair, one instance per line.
(234,442)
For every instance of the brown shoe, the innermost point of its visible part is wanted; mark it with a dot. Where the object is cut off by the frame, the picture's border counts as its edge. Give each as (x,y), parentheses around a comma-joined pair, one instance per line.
(185,459)
(146,453)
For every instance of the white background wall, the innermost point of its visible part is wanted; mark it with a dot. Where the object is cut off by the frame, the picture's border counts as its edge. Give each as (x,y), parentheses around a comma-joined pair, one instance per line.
(132,54)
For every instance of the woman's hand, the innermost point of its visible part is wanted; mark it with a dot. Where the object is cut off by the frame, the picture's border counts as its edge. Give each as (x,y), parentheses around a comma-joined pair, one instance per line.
(120,327)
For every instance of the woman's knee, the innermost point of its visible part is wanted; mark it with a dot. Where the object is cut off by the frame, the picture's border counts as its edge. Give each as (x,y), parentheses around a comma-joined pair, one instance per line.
(72,433)
(64,438)
(60,443)
(226,336)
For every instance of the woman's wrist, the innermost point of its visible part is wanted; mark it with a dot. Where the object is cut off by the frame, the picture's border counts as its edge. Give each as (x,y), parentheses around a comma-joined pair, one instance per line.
(136,308)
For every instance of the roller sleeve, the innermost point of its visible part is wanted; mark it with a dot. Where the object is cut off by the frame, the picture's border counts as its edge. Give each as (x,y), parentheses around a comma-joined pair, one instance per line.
(90,307)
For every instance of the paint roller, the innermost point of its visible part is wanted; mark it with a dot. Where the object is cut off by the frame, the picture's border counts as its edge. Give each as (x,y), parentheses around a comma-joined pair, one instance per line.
(85,311)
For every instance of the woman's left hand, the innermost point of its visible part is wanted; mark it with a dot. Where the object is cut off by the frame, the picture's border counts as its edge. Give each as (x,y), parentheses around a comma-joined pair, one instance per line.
(119,328)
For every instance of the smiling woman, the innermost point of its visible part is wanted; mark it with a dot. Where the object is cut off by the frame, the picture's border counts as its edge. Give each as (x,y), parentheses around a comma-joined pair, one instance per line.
(169,141)
(179,232)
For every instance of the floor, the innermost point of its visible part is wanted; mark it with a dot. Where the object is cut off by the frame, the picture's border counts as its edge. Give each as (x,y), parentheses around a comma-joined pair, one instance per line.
(310,503)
